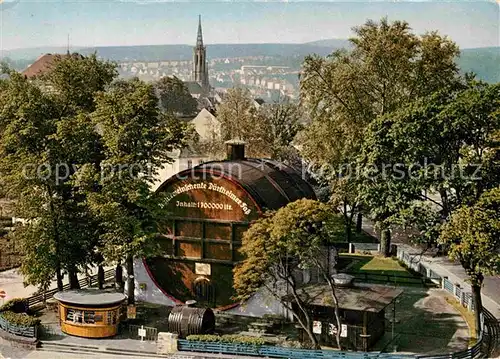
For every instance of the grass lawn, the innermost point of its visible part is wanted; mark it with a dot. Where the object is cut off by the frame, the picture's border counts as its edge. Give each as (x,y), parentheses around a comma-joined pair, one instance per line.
(467,315)
(377,269)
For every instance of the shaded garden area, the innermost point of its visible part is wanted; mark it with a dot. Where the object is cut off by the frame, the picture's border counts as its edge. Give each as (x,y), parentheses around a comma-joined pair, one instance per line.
(426,324)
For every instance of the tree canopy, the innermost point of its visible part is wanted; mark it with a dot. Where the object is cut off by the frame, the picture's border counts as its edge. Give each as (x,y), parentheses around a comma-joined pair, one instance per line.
(472,237)
(174,96)
(387,68)
(78,155)
(268,129)
(277,246)
(445,144)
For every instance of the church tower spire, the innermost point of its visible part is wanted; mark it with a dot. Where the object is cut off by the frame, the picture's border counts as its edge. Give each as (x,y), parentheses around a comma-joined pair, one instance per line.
(200,68)
(199,38)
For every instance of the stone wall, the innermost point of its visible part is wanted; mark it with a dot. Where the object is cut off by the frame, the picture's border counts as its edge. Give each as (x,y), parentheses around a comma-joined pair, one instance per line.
(166,344)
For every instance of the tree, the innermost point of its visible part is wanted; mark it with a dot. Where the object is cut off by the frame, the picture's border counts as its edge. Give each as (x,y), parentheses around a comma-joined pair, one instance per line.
(136,137)
(446,144)
(46,138)
(76,78)
(472,237)
(283,121)
(175,97)
(40,155)
(268,130)
(282,243)
(388,68)
(239,120)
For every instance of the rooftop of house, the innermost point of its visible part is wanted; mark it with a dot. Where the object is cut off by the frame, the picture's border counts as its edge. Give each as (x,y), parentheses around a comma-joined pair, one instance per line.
(43,64)
(359,297)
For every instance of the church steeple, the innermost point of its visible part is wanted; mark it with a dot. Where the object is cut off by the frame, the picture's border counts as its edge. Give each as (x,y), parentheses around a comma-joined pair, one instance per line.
(199,38)
(200,68)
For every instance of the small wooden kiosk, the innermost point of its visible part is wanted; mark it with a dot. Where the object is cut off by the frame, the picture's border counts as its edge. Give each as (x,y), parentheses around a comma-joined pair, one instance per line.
(89,313)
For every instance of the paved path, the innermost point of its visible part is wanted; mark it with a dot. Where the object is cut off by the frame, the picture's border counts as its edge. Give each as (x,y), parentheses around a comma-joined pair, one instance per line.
(455,273)
(11,281)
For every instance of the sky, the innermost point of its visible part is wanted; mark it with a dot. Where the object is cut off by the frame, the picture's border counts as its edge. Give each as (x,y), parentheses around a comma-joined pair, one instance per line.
(40,23)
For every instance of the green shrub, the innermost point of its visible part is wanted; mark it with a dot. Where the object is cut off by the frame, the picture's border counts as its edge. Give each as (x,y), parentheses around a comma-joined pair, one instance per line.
(16,305)
(294,344)
(21,319)
(227,338)
(204,338)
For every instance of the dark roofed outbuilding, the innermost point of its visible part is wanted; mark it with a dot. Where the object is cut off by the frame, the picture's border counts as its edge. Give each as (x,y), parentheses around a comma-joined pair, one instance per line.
(362,308)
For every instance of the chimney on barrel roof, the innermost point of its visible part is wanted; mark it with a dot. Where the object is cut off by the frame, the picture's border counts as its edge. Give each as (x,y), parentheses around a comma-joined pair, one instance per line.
(235,150)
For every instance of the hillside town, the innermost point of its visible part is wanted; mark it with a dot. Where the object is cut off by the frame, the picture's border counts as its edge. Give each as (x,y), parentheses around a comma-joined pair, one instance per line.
(268,82)
(218,207)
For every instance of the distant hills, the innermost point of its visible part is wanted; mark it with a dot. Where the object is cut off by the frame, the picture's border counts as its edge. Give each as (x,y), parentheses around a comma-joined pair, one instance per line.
(185,52)
(483,61)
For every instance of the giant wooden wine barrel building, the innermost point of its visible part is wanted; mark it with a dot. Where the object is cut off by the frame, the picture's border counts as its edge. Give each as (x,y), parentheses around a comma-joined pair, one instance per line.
(211,206)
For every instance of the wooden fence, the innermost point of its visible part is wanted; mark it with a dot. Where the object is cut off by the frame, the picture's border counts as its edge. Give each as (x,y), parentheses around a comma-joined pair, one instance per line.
(389,278)
(84,282)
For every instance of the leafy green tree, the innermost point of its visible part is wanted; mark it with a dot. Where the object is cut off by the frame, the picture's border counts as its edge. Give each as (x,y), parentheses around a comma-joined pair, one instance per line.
(268,130)
(239,120)
(76,78)
(283,122)
(175,97)
(387,68)
(472,237)
(277,246)
(46,137)
(446,144)
(136,137)
(40,153)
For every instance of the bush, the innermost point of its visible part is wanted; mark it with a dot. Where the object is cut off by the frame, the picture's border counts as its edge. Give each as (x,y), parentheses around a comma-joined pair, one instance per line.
(228,338)
(295,344)
(21,319)
(16,305)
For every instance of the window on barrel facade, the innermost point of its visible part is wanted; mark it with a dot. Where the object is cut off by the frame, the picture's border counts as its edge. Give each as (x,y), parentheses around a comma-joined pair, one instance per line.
(190,163)
(203,290)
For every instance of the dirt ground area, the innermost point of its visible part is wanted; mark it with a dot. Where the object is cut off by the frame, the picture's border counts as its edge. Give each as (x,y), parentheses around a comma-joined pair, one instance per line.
(426,323)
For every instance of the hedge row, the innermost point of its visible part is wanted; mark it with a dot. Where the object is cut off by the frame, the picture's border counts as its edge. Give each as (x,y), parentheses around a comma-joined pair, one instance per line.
(227,338)
(20,319)
(15,312)
(16,305)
